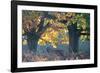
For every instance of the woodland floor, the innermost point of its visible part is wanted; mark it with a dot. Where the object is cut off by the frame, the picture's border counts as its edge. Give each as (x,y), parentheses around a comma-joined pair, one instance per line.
(53,55)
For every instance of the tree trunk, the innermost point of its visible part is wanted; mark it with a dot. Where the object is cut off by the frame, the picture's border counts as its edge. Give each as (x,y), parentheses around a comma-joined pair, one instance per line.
(73,38)
(32,39)
(33,36)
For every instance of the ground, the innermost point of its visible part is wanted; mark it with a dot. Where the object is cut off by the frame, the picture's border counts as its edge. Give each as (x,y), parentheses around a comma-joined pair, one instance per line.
(60,53)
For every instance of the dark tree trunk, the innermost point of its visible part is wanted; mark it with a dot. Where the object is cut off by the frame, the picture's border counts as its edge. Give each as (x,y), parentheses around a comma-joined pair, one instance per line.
(73,38)
(32,39)
(33,36)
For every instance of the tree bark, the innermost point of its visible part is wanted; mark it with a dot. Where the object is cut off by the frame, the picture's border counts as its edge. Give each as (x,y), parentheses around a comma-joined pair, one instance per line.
(32,39)
(73,38)
(33,36)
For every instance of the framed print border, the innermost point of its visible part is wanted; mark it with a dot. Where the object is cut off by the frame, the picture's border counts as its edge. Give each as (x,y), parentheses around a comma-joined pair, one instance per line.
(14,34)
